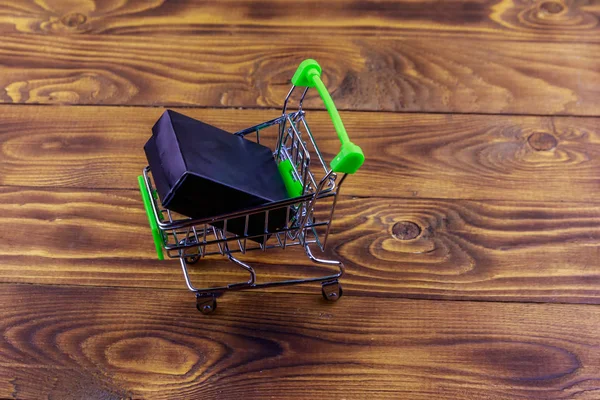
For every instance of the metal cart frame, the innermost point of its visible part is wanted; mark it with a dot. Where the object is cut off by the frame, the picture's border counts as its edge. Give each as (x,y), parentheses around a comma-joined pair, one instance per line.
(192,239)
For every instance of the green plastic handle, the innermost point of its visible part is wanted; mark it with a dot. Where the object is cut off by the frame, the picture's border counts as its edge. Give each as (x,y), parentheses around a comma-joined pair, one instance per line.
(158,241)
(351,157)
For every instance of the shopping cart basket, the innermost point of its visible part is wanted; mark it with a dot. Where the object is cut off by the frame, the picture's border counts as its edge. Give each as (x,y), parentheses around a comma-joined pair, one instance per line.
(309,181)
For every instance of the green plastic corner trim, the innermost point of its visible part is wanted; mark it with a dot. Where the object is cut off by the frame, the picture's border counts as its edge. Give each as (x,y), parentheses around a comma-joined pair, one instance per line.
(293,186)
(158,241)
(351,157)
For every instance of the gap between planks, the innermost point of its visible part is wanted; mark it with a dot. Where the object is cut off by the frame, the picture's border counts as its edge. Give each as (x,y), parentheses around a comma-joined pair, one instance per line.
(267,108)
(286,292)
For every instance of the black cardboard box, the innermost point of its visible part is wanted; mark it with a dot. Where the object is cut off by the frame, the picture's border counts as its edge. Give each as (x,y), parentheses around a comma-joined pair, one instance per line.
(201,171)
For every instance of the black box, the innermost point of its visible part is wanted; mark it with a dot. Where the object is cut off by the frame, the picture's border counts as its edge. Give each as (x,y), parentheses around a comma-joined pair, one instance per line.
(201,171)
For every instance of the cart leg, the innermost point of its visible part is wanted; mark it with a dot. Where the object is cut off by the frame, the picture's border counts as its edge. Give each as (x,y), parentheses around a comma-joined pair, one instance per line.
(331,290)
(206,303)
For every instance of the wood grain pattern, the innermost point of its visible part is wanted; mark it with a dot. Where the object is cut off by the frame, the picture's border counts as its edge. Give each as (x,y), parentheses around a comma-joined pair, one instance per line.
(111,344)
(417,73)
(546,20)
(465,249)
(498,211)
(408,155)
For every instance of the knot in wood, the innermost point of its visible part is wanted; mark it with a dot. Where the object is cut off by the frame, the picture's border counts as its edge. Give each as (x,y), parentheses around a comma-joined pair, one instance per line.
(73,20)
(406,230)
(552,7)
(542,141)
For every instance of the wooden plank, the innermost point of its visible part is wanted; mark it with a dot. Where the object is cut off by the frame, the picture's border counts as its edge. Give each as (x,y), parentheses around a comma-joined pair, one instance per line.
(539,20)
(509,251)
(106,343)
(409,73)
(407,155)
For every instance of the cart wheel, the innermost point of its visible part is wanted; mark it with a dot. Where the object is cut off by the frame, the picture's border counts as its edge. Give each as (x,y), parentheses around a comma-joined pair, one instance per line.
(192,259)
(332,291)
(206,304)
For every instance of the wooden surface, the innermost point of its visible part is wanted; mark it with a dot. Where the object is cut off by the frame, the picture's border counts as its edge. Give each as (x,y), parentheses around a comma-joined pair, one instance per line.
(132,344)
(413,72)
(471,235)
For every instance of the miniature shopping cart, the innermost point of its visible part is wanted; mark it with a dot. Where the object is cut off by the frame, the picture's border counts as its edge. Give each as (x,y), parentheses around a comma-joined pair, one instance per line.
(310,182)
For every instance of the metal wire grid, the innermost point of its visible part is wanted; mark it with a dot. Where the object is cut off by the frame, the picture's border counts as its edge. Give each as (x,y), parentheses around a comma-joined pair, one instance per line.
(185,237)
